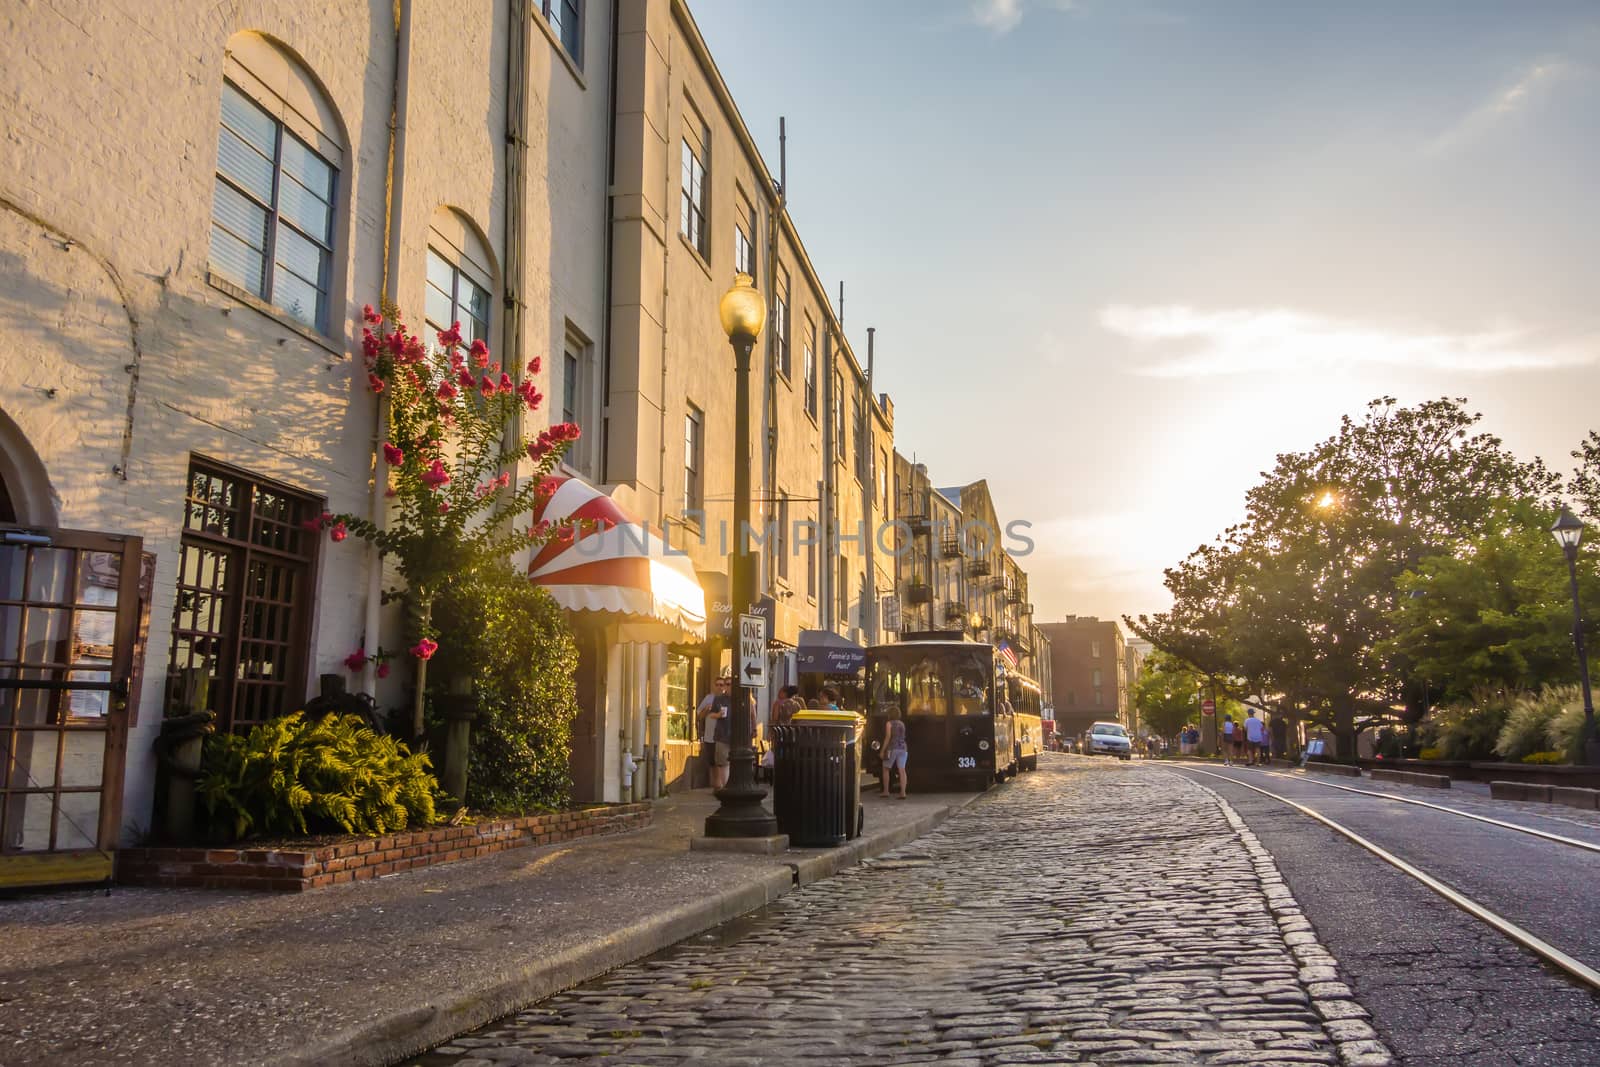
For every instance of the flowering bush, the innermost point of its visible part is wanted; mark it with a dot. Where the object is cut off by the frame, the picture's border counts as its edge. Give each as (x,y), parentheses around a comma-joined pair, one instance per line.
(447,464)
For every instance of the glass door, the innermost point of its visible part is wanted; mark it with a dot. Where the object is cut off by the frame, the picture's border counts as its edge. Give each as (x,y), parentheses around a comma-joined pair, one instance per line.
(68,624)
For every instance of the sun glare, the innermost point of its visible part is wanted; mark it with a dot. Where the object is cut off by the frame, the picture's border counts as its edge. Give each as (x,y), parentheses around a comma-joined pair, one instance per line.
(1327,499)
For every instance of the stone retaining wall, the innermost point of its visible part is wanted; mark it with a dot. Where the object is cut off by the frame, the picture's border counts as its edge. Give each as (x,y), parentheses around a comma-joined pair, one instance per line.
(1432,781)
(295,870)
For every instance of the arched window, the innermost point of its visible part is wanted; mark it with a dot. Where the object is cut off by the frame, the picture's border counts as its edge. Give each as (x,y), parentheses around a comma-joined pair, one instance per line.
(279,153)
(460,277)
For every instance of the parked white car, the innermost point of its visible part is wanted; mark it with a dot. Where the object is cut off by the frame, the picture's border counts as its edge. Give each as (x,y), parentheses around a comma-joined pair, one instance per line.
(1109,739)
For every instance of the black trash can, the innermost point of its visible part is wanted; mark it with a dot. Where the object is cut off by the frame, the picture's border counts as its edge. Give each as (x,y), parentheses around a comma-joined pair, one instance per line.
(816,765)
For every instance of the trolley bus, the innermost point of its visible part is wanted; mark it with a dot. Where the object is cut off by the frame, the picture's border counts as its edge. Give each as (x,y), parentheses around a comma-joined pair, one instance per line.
(959,723)
(1027,716)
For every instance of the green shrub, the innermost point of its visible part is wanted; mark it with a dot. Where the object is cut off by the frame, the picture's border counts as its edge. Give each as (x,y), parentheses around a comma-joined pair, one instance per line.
(1527,727)
(513,641)
(1469,731)
(1545,757)
(1431,753)
(292,776)
(1566,730)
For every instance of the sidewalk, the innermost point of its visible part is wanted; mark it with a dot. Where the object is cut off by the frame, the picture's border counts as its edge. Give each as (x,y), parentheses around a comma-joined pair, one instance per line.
(370,972)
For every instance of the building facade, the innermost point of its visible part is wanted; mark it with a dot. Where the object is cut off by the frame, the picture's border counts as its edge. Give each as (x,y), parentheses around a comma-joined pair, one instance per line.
(188,245)
(1088,669)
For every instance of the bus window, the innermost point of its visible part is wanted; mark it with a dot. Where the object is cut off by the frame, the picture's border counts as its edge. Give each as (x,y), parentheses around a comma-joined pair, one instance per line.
(970,683)
(924,689)
(887,687)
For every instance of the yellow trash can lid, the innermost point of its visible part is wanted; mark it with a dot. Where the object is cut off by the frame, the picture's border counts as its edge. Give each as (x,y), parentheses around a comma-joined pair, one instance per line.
(842,718)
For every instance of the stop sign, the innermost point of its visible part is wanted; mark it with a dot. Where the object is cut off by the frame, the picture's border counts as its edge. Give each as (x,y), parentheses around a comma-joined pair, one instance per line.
(1208,707)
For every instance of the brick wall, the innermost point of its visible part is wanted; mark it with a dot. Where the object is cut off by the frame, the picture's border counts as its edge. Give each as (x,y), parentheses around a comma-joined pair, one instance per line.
(295,870)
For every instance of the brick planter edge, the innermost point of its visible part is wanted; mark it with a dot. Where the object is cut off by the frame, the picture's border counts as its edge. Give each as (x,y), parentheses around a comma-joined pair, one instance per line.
(296,870)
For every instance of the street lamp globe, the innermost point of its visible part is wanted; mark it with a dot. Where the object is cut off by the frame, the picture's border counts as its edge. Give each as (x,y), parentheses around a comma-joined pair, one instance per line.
(743,310)
(1568,531)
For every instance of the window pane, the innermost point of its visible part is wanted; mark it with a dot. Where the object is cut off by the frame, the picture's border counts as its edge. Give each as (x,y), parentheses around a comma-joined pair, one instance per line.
(298,298)
(440,272)
(438,308)
(245,117)
(474,299)
(569,388)
(241,216)
(301,256)
(305,209)
(570,25)
(248,168)
(307,168)
(236,261)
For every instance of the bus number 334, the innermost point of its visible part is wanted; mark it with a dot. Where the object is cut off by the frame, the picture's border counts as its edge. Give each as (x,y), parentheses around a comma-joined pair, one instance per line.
(965,762)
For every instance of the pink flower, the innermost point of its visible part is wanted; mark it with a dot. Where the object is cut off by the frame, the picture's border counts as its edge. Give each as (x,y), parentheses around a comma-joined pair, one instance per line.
(464,376)
(370,316)
(444,507)
(505,382)
(451,337)
(436,476)
(425,648)
(392,455)
(446,391)
(383,670)
(356,660)
(480,353)
(486,387)
(391,492)
(375,383)
(338,533)
(534,364)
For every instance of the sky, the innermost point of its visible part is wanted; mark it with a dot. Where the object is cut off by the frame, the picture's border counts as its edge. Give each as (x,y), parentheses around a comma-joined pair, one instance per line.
(1121,254)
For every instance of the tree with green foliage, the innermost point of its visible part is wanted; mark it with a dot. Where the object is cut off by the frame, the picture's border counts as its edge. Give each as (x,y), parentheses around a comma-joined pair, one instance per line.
(1296,601)
(1167,694)
(1495,612)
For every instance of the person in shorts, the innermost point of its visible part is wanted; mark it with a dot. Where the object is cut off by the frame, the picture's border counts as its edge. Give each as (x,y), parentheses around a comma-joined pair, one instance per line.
(1255,738)
(893,752)
(714,730)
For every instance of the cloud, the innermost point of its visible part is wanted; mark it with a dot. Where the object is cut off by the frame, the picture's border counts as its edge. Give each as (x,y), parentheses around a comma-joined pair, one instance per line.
(1537,80)
(1000,17)
(1186,342)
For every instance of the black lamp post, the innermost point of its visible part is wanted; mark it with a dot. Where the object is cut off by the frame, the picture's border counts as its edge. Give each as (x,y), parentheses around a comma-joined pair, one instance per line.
(741,813)
(1568,531)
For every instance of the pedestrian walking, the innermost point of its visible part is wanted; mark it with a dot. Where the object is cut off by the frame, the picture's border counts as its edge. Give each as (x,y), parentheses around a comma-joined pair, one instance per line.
(1254,737)
(786,705)
(893,751)
(1227,741)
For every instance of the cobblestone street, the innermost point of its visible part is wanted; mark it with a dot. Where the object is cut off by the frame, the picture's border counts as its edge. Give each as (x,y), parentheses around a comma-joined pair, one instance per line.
(1091,912)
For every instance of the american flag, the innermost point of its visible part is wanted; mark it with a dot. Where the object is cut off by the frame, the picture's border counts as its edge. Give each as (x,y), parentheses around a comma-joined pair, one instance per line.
(1010,656)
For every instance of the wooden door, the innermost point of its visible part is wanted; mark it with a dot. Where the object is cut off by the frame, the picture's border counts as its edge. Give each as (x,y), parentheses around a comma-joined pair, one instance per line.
(69,603)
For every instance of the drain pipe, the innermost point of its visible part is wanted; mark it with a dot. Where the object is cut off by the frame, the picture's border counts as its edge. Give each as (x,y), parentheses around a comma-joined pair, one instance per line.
(377,511)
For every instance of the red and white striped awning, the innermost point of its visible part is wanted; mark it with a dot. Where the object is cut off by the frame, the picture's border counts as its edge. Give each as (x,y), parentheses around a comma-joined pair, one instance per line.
(623,571)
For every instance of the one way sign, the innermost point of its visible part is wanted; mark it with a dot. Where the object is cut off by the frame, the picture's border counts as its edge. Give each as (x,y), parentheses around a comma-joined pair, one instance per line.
(752,651)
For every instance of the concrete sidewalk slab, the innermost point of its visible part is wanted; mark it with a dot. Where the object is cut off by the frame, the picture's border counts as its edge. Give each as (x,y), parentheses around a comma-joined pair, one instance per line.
(371,972)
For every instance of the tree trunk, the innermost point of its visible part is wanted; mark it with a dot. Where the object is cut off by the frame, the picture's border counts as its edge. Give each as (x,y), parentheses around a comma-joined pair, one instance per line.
(418,726)
(1344,731)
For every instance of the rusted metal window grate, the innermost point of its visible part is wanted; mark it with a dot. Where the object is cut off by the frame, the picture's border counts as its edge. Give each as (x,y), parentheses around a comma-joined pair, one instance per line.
(241,620)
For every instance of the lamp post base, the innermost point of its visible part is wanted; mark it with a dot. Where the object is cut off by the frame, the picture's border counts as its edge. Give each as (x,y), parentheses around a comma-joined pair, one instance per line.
(742,814)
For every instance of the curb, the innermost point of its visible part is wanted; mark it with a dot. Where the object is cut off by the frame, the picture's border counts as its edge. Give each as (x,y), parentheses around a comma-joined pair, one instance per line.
(410,1031)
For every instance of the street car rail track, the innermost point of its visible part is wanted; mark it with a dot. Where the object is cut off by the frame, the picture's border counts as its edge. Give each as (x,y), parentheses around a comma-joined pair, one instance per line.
(1538,946)
(1545,834)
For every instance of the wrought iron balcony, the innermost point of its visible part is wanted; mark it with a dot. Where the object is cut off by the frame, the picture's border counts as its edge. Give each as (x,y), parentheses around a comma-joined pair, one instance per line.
(919,593)
(1013,595)
(954,611)
(919,522)
(978,567)
(952,546)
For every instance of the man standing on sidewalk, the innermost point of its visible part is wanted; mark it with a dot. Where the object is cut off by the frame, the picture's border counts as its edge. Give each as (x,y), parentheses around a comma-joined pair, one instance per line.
(1254,735)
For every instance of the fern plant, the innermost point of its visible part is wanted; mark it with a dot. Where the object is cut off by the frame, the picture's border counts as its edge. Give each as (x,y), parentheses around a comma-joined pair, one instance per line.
(294,776)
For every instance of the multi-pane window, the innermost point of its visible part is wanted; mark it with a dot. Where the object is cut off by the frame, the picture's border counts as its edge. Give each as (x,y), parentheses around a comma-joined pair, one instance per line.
(693,425)
(454,296)
(566,19)
(811,368)
(680,698)
(241,619)
(780,325)
(844,591)
(692,209)
(569,387)
(1095,679)
(838,413)
(863,451)
(780,540)
(1094,649)
(272,212)
(883,481)
(744,230)
(811,559)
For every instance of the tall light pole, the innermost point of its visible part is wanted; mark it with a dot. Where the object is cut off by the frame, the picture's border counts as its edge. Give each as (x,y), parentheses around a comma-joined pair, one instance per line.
(741,813)
(1568,531)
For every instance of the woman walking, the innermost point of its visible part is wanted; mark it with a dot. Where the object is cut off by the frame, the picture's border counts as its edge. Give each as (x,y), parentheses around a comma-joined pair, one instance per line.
(893,752)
